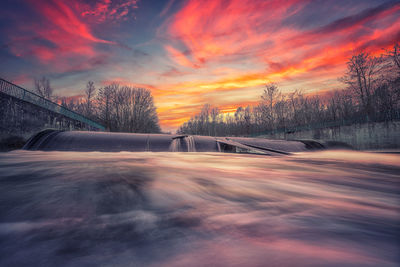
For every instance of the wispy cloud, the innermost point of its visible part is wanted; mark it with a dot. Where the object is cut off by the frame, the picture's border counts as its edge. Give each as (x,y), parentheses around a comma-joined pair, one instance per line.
(58,33)
(204,36)
(194,52)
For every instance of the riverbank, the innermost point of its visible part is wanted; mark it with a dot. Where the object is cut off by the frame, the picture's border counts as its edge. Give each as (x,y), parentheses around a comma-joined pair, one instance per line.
(366,136)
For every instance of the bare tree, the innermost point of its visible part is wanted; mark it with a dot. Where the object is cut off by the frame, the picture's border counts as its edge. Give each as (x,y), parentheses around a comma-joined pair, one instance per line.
(64,102)
(394,57)
(144,112)
(89,92)
(127,109)
(372,89)
(362,77)
(43,88)
(214,113)
(271,92)
(104,99)
(393,72)
(262,117)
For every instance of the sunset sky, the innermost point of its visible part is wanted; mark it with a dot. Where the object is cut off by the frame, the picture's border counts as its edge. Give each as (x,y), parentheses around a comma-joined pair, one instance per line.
(193,52)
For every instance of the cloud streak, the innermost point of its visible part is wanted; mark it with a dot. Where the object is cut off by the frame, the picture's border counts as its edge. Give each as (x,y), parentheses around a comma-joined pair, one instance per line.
(59,33)
(197,51)
(252,36)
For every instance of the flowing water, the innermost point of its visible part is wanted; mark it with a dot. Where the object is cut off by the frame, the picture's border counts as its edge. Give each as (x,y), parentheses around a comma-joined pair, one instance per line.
(330,208)
(190,144)
(175,145)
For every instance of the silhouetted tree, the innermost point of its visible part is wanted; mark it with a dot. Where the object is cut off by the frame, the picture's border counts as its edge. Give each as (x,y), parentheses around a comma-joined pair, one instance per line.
(104,101)
(127,109)
(89,92)
(43,88)
(363,77)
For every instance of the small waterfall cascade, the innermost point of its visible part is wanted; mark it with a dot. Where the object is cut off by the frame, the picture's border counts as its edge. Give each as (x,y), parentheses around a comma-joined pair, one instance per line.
(218,146)
(190,143)
(175,145)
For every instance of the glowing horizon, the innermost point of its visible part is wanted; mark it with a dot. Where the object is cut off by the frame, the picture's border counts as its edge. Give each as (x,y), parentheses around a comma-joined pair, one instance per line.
(193,52)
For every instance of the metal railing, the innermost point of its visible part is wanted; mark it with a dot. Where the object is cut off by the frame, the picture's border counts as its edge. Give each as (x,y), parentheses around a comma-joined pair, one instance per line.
(18,92)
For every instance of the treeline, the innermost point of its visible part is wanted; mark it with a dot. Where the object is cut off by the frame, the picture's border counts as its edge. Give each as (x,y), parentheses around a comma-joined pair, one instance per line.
(371,94)
(118,108)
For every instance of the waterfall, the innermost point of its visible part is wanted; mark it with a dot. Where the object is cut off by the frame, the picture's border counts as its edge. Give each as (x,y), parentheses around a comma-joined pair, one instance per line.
(175,145)
(191,146)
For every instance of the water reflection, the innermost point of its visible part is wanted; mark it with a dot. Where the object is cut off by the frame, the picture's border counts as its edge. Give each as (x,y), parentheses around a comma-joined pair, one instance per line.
(182,209)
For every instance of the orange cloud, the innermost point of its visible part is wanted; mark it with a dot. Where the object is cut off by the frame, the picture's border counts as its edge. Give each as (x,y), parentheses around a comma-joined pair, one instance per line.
(213,29)
(210,30)
(254,39)
(218,52)
(179,57)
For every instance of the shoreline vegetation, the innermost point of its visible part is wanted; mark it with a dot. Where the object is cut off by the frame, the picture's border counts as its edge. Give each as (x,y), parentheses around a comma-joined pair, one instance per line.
(371,94)
(119,108)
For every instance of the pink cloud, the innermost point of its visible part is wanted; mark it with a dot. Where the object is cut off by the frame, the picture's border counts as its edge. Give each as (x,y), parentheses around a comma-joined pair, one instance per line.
(59,35)
(108,10)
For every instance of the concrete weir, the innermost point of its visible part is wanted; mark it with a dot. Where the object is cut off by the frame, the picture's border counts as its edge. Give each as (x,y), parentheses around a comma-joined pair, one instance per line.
(53,140)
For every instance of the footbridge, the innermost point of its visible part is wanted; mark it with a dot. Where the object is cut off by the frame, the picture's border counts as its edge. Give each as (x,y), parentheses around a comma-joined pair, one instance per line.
(23,113)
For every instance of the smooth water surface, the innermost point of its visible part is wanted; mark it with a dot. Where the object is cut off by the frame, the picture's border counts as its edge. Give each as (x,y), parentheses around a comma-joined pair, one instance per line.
(330,208)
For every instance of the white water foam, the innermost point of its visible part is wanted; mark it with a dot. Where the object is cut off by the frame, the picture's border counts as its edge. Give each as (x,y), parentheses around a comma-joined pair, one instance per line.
(190,143)
(175,145)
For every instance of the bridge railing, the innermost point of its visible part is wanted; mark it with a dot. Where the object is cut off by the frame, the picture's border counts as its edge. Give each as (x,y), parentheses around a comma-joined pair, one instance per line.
(16,91)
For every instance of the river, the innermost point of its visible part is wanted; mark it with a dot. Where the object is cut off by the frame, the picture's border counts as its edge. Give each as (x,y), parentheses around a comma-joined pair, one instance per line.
(329,208)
